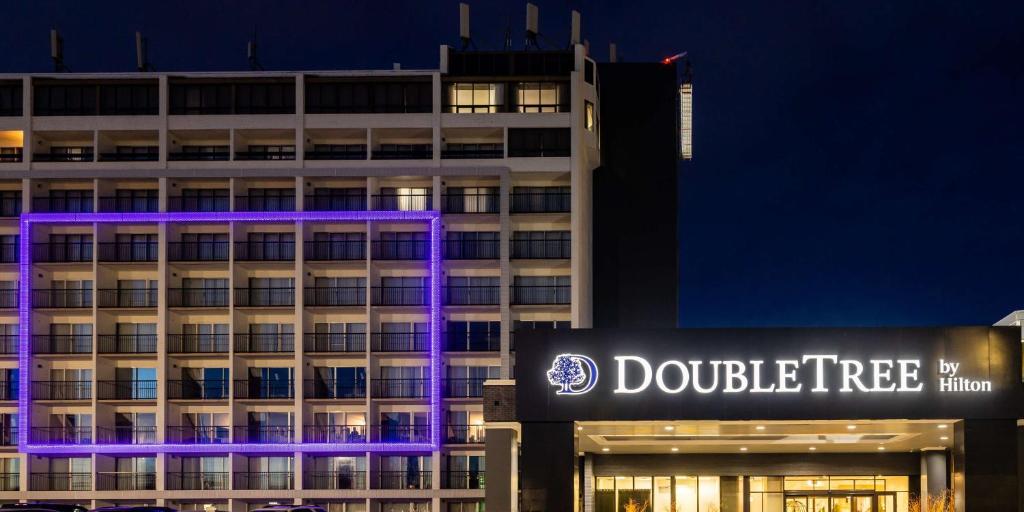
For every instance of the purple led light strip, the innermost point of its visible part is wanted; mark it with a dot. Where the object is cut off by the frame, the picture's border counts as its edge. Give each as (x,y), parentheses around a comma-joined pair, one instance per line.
(25,328)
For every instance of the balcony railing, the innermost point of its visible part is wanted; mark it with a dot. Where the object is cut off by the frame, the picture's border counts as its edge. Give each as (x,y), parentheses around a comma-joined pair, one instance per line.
(198,204)
(8,252)
(264,481)
(62,435)
(10,481)
(130,157)
(264,204)
(72,252)
(265,297)
(202,389)
(12,156)
(127,298)
(463,388)
(334,434)
(541,202)
(401,388)
(335,480)
(62,390)
(127,344)
(86,156)
(335,203)
(9,344)
(401,295)
(127,435)
(60,481)
(463,151)
(264,390)
(471,295)
(464,434)
(264,434)
(62,204)
(400,341)
(342,250)
(9,435)
(197,343)
(288,154)
(8,390)
(125,481)
(472,342)
(127,389)
(403,152)
(130,204)
(400,249)
(334,342)
(198,251)
(538,295)
(471,203)
(333,389)
(346,152)
(62,344)
(62,298)
(264,251)
(199,156)
(197,297)
(129,251)
(403,480)
(8,298)
(193,481)
(335,296)
(260,343)
(463,480)
(560,249)
(472,250)
(400,433)
(198,434)
(406,202)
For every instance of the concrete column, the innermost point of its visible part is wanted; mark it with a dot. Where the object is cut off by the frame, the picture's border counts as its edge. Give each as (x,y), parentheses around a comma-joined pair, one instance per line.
(502,455)
(505,279)
(548,463)
(934,474)
(985,472)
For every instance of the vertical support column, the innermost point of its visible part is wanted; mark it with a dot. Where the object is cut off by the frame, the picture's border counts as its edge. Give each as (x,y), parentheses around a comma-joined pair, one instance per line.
(163,368)
(163,136)
(300,120)
(502,454)
(505,279)
(548,465)
(934,475)
(985,476)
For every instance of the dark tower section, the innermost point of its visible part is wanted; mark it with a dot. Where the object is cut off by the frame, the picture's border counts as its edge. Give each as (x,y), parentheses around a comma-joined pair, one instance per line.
(636,251)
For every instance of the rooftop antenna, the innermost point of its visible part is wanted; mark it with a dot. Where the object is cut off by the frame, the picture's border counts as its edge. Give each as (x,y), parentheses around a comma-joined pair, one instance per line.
(464,25)
(57,51)
(613,53)
(532,16)
(142,53)
(507,44)
(574,35)
(254,62)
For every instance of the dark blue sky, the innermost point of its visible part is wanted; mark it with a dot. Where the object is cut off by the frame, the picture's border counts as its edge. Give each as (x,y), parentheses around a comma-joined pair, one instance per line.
(856,163)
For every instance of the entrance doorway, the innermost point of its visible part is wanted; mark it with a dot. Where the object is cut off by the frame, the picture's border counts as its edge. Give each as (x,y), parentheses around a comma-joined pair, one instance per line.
(840,503)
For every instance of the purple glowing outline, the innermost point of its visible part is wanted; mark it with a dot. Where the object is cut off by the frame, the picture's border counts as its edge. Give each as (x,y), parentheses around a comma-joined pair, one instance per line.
(25,334)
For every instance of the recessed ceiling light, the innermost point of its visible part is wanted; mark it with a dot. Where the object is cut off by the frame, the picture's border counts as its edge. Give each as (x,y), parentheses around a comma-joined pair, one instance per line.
(669,428)
(743,448)
(881,448)
(606,449)
(579,428)
(851,427)
(943,426)
(759,427)
(944,438)
(813,448)
(675,449)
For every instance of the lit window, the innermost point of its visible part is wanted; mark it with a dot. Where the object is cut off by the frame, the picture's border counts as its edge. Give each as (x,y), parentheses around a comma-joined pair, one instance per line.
(588,116)
(542,97)
(475,98)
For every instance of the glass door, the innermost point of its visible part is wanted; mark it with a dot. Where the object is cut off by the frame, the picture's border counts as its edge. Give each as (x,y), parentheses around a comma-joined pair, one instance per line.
(886,502)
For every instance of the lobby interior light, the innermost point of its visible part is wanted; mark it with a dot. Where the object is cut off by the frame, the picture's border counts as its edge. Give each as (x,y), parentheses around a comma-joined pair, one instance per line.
(579,428)
(813,448)
(669,428)
(760,427)
(606,449)
(943,426)
(944,438)
(881,448)
(851,427)
(675,449)
(743,448)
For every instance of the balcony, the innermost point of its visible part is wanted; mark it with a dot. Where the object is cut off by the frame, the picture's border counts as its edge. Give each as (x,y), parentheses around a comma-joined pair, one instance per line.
(335,203)
(9,298)
(192,481)
(8,252)
(409,479)
(127,344)
(335,296)
(152,155)
(9,344)
(560,249)
(264,297)
(255,389)
(130,204)
(207,154)
(281,154)
(464,434)
(472,342)
(62,252)
(471,295)
(8,390)
(463,388)
(8,437)
(82,204)
(198,204)
(333,389)
(127,298)
(12,155)
(62,344)
(324,342)
(339,152)
(403,152)
(264,343)
(264,434)
(60,481)
(334,480)
(195,434)
(129,251)
(202,389)
(401,388)
(131,434)
(197,297)
(85,155)
(403,202)
(198,251)
(62,435)
(471,203)
(264,204)
(61,298)
(540,295)
(264,251)
(541,202)
(462,480)
(334,434)
(400,433)
(62,390)
(264,481)
(400,341)
(458,249)
(459,151)
(401,295)
(127,390)
(342,250)
(10,482)
(10,206)
(197,343)
(401,250)
(125,481)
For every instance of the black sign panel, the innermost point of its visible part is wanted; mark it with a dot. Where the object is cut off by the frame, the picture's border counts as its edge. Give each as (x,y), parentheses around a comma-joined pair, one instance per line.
(766,374)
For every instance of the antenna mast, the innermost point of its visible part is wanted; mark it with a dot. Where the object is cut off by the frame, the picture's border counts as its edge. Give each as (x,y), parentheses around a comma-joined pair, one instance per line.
(57,51)
(254,62)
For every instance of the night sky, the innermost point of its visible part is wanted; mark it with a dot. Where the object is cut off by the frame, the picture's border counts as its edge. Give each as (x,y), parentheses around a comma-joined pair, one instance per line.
(856,163)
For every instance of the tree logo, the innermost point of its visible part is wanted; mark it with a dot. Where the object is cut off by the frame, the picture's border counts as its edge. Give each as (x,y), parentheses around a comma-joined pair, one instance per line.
(575,374)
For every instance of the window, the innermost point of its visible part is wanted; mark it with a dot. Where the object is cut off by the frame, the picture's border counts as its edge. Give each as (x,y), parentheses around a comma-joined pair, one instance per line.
(541,245)
(64,100)
(338,199)
(265,98)
(475,98)
(473,336)
(472,290)
(341,382)
(588,71)
(533,97)
(200,98)
(538,142)
(589,121)
(368,97)
(204,200)
(405,198)
(10,99)
(129,99)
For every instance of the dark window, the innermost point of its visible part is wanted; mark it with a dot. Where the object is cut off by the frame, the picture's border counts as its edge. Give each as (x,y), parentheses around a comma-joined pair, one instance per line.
(200,98)
(368,97)
(130,99)
(535,142)
(10,99)
(588,71)
(65,100)
(270,98)
(537,63)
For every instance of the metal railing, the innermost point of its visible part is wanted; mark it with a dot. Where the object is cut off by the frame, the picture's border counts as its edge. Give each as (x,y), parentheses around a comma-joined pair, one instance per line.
(264,434)
(464,434)
(63,298)
(472,342)
(127,389)
(341,250)
(199,156)
(541,202)
(540,294)
(10,481)
(257,343)
(127,344)
(8,390)
(198,434)
(197,297)
(401,388)
(62,390)
(14,156)
(334,434)
(264,480)
(8,252)
(201,389)
(400,341)
(472,250)
(198,251)
(265,155)
(197,343)
(264,204)
(333,389)
(335,203)
(62,344)
(125,481)
(64,157)
(126,434)
(401,249)
(408,479)
(350,152)
(129,251)
(197,481)
(400,433)
(9,344)
(560,249)
(130,204)
(9,436)
(472,295)
(264,390)
(401,295)
(265,297)
(72,252)
(407,202)
(60,481)
(463,388)
(198,204)
(334,296)
(334,342)
(129,157)
(63,204)
(462,480)
(474,151)
(405,152)
(127,298)
(264,251)
(488,202)
(334,480)
(10,206)
(62,435)
(8,298)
